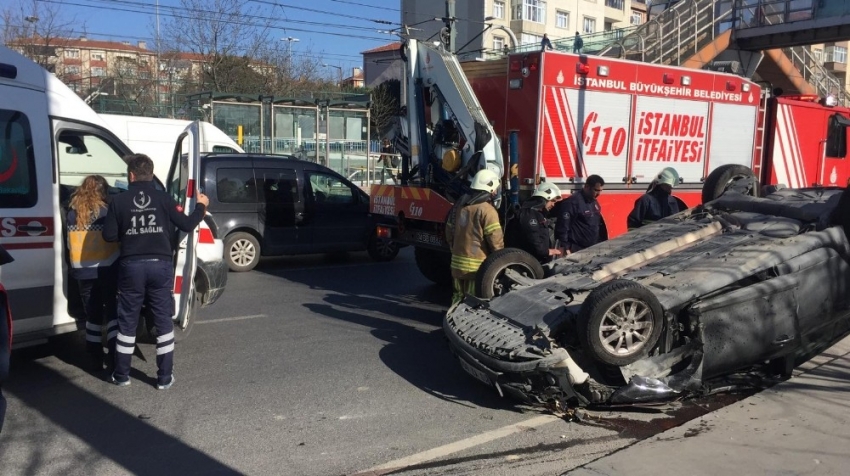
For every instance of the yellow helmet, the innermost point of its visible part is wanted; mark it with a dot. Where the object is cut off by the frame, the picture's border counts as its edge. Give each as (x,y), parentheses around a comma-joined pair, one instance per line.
(451,160)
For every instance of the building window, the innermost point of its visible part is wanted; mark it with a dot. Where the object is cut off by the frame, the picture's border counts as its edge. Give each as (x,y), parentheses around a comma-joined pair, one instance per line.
(636,18)
(72,53)
(818,54)
(72,69)
(562,19)
(498,43)
(527,39)
(835,54)
(530,10)
(589,25)
(498,9)
(97,72)
(97,56)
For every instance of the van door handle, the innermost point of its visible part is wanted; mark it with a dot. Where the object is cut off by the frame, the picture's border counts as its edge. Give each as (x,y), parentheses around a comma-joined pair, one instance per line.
(32,228)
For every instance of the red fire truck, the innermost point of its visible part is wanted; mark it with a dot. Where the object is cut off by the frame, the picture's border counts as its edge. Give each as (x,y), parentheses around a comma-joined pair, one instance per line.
(561,117)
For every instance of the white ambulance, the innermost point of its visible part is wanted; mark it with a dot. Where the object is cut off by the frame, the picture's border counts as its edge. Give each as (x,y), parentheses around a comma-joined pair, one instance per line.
(49,141)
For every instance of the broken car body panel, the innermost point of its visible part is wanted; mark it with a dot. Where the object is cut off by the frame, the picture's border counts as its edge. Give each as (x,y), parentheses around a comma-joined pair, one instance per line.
(738,282)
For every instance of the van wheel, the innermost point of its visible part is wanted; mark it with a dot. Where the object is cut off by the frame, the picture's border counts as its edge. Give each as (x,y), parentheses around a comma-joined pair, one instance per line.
(434,265)
(381,249)
(241,251)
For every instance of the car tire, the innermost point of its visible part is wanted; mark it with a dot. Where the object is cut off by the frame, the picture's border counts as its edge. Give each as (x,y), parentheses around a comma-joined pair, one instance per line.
(490,280)
(241,251)
(381,249)
(722,177)
(434,265)
(610,310)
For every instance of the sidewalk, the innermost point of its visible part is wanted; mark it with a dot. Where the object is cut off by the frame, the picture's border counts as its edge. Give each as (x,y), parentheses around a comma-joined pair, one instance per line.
(800,426)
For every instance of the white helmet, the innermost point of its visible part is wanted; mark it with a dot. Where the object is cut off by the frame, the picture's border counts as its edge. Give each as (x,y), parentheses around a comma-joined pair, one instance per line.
(485,180)
(668,176)
(549,191)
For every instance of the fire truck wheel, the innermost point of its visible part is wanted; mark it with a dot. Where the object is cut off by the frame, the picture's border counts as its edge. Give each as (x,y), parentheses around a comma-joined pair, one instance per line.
(434,265)
(723,177)
(381,249)
(492,280)
(620,322)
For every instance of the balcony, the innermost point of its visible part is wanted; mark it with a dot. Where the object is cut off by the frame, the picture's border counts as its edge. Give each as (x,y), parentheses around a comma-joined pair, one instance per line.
(616,4)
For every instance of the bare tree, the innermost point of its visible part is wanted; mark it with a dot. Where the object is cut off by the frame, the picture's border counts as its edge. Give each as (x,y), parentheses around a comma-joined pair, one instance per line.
(385,106)
(37,29)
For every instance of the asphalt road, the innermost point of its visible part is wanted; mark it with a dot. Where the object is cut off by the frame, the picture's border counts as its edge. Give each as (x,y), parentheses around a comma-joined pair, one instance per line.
(306,366)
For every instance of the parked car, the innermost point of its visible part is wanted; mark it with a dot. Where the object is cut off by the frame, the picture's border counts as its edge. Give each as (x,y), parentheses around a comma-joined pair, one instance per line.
(669,310)
(266,205)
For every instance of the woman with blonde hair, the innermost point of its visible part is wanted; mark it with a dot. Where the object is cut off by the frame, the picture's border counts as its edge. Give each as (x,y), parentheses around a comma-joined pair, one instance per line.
(92,260)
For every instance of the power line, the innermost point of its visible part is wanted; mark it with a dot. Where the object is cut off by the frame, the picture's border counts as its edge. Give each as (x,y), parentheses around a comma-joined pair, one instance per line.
(231,22)
(325,12)
(361,4)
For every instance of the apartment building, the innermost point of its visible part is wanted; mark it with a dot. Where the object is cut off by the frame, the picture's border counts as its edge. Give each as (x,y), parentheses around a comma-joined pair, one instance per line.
(484,25)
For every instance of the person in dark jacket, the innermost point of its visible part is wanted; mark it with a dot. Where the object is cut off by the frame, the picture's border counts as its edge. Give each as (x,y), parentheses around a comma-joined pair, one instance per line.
(579,218)
(658,202)
(92,266)
(529,230)
(545,43)
(142,220)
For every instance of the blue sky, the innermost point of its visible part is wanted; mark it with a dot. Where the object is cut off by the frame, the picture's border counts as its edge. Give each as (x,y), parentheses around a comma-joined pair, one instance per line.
(341,29)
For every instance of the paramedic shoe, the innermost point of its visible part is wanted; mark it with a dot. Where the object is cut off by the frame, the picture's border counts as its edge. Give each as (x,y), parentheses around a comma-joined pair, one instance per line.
(125,382)
(594,391)
(165,383)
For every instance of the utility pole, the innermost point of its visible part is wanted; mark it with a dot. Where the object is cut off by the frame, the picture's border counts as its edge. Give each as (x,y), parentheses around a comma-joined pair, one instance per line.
(450,34)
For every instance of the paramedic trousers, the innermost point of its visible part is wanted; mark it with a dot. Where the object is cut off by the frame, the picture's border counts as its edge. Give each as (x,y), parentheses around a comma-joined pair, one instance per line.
(149,283)
(99,298)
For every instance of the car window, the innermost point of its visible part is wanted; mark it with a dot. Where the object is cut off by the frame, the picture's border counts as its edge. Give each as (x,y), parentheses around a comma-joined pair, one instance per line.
(327,188)
(83,153)
(280,187)
(235,185)
(18,187)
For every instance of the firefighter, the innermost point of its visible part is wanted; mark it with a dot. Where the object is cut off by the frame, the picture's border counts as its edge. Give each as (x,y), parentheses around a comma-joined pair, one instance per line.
(142,220)
(473,231)
(657,202)
(579,218)
(529,231)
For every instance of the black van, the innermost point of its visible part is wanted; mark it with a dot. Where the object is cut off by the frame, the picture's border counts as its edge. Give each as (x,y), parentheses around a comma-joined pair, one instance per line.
(270,205)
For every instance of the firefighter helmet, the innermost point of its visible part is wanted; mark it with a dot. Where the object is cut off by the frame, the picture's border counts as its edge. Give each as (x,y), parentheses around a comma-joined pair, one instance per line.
(549,191)
(485,180)
(668,176)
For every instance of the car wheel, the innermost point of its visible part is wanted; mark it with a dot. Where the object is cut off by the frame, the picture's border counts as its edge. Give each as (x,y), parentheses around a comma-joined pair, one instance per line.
(721,179)
(491,280)
(434,265)
(382,249)
(620,322)
(241,251)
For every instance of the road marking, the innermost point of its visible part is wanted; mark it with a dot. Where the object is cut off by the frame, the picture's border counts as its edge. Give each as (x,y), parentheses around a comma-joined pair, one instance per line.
(228,319)
(461,445)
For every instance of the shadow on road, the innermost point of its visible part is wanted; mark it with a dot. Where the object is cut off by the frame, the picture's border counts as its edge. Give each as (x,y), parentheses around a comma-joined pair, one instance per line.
(112,434)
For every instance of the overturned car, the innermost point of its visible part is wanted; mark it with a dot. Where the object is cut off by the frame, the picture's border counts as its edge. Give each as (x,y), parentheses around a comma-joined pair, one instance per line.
(667,310)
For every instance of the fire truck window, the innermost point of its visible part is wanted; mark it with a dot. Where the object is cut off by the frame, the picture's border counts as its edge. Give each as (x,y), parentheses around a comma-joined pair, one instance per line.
(17,164)
(836,139)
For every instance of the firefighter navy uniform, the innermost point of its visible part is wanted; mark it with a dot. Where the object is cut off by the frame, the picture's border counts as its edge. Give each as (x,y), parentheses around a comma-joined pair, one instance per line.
(529,230)
(142,219)
(651,207)
(579,219)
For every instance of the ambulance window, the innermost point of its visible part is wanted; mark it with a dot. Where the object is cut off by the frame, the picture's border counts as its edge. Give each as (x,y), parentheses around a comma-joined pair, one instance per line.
(18,187)
(836,139)
(82,153)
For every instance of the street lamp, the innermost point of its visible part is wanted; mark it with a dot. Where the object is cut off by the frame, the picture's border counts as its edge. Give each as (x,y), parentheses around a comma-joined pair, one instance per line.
(340,72)
(290,39)
(507,30)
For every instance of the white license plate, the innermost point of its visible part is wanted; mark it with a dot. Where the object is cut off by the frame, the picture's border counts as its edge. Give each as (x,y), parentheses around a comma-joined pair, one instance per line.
(479,375)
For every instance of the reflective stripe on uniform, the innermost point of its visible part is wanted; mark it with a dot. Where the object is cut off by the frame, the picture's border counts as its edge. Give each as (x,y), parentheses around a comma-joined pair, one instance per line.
(465,263)
(124,350)
(166,349)
(93,327)
(492,228)
(126,339)
(165,337)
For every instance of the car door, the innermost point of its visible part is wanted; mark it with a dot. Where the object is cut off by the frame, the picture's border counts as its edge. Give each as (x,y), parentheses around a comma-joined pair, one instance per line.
(336,212)
(280,211)
(29,227)
(183,186)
